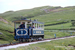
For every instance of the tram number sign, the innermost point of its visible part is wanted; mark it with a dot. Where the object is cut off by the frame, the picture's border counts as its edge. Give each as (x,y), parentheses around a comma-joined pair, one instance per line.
(38,31)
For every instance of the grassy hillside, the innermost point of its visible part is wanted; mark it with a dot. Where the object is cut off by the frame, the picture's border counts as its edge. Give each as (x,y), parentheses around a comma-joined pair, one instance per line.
(60,26)
(50,34)
(46,14)
(6,31)
(6,37)
(7,27)
(13,15)
(66,15)
(26,13)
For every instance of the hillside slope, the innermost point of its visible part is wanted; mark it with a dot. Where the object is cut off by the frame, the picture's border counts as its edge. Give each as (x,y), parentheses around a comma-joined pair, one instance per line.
(6,31)
(47,14)
(13,15)
(66,14)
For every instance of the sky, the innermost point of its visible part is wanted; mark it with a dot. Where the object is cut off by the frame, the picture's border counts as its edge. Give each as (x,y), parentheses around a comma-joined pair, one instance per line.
(6,5)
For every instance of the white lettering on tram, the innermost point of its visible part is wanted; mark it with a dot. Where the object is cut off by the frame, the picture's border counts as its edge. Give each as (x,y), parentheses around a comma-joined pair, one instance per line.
(38,31)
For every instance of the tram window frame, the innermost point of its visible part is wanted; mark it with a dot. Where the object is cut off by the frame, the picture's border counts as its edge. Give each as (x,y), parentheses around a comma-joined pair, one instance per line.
(16,25)
(38,26)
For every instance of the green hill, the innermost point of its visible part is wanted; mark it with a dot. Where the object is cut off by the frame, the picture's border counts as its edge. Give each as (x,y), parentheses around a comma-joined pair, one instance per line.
(47,14)
(13,15)
(6,31)
(65,14)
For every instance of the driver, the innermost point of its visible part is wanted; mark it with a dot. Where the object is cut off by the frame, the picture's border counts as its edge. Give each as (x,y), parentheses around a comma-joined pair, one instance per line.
(22,25)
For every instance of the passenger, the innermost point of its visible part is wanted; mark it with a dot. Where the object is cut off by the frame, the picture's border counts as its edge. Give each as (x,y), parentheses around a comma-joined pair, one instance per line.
(22,25)
(33,26)
(29,27)
(39,27)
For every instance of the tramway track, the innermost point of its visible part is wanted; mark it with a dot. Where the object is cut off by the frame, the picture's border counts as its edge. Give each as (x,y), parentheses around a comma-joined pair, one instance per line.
(16,43)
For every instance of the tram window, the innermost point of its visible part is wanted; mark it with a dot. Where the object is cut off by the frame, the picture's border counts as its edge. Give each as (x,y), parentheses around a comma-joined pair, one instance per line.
(33,25)
(38,26)
(29,26)
(41,26)
(17,25)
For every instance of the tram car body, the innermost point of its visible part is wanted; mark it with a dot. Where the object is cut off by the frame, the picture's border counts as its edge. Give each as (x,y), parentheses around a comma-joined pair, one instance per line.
(35,31)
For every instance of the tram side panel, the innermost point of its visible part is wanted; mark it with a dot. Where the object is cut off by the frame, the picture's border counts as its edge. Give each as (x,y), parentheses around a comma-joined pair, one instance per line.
(37,33)
(21,34)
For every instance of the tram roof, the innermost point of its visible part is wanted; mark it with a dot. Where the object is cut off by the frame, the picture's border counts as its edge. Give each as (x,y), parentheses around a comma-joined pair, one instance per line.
(37,22)
(25,20)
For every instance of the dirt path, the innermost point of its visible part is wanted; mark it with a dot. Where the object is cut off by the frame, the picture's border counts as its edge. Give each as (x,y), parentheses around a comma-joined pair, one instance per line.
(1,19)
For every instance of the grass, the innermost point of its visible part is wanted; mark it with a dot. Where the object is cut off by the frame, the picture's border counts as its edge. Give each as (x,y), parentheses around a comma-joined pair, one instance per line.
(61,26)
(61,14)
(4,26)
(6,37)
(26,13)
(52,45)
(56,17)
(3,42)
(58,14)
(58,34)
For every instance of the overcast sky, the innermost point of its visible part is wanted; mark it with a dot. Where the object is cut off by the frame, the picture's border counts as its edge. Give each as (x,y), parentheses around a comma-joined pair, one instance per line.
(6,5)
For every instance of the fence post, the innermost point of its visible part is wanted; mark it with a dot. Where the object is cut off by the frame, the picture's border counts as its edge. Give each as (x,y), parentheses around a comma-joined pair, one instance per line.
(55,35)
(71,33)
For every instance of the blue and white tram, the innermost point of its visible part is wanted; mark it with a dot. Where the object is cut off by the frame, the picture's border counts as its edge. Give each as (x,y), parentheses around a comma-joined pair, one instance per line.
(32,30)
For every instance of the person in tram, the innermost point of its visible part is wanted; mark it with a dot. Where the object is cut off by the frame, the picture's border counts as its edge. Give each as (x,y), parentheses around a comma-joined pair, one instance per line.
(22,25)
(29,27)
(33,26)
(39,27)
